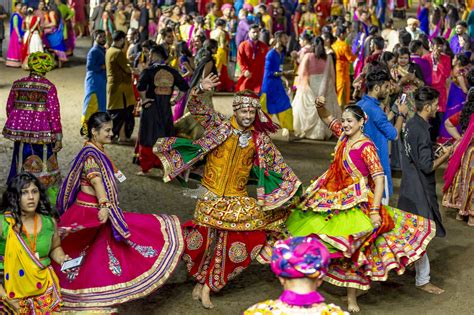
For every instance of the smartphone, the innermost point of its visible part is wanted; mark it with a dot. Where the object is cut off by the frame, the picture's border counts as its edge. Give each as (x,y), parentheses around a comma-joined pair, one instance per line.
(403,98)
(72,263)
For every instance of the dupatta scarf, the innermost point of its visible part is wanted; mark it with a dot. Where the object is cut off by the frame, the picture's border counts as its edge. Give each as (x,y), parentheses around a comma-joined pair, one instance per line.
(455,161)
(26,278)
(71,186)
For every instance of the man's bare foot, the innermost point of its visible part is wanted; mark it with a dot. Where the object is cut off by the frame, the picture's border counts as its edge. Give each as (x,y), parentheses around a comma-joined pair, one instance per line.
(206,297)
(352,305)
(197,291)
(142,173)
(430,288)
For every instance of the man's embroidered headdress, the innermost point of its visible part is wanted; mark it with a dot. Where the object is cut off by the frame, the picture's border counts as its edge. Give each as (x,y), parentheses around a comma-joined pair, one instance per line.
(250,99)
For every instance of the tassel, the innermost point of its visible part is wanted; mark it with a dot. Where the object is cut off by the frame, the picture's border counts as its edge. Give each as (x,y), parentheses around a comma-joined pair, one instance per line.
(263,117)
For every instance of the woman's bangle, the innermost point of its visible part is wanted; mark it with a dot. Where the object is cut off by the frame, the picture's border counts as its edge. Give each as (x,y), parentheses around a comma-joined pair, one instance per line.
(103,200)
(104,203)
(374,210)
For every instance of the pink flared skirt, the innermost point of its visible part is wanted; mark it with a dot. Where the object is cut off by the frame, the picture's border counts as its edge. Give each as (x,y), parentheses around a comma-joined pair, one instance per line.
(114,272)
(14,51)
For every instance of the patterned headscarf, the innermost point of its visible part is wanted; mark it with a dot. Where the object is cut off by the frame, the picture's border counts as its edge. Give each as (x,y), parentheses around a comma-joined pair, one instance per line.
(300,257)
(40,62)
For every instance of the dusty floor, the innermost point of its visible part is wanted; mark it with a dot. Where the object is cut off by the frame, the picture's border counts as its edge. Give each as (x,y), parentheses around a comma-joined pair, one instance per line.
(452,258)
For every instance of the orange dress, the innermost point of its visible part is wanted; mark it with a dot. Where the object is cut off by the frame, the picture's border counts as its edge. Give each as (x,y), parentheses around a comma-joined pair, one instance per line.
(344,58)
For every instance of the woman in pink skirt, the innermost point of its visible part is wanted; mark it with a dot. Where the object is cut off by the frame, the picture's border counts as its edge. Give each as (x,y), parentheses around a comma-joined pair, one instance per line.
(16,36)
(126,255)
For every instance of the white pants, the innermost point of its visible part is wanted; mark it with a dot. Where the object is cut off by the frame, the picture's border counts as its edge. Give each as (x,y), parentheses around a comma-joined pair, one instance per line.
(422,267)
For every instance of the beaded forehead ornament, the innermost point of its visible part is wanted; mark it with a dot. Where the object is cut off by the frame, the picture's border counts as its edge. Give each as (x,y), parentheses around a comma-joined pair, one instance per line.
(243,101)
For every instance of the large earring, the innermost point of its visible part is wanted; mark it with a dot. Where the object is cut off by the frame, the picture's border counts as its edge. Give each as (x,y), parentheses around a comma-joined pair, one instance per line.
(362,128)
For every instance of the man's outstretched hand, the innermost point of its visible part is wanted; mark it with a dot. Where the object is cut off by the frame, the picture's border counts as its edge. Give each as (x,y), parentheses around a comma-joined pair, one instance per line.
(210,82)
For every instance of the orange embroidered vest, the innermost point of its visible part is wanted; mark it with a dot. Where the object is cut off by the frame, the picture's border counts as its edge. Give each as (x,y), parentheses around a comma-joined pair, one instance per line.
(228,167)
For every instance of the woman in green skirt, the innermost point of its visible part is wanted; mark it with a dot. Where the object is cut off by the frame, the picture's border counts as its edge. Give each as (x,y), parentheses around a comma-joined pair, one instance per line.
(343,208)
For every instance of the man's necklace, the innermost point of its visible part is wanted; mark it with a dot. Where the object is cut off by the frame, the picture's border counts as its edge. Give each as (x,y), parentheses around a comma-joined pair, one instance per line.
(244,137)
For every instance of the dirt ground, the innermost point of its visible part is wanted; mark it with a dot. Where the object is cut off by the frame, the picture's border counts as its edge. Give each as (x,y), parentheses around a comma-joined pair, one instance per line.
(452,257)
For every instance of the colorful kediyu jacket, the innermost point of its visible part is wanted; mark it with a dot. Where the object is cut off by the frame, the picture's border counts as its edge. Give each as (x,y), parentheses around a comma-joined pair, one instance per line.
(232,156)
(33,114)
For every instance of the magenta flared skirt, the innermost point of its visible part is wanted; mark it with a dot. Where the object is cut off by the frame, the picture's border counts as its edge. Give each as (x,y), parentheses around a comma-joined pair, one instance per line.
(114,272)
(14,51)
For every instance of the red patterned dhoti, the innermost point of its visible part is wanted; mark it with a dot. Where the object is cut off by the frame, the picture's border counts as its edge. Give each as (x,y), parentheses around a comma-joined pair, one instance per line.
(215,256)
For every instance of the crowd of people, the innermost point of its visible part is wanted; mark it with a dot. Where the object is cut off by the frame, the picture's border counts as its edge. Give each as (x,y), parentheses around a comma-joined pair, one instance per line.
(395,99)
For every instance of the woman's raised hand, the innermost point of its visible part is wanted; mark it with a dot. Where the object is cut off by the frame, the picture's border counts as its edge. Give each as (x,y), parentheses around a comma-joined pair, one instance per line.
(320,101)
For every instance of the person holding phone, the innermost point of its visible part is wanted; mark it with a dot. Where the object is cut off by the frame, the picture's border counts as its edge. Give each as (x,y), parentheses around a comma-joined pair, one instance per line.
(418,186)
(378,127)
(126,255)
(29,242)
(441,65)
(408,77)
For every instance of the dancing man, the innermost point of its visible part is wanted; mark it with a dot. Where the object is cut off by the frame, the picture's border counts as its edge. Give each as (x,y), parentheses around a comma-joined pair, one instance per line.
(230,228)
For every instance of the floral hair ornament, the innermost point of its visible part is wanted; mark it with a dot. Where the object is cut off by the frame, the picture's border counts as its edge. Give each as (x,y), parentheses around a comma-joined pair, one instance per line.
(300,257)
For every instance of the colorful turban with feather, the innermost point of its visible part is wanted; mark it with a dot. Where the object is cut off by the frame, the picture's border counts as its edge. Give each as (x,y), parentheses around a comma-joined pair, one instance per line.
(300,257)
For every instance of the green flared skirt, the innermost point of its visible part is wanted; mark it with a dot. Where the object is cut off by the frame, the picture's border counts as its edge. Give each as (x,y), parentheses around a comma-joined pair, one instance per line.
(359,254)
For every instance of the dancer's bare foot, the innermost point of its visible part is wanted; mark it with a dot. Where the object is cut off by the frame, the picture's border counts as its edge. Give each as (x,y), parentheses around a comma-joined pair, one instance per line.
(197,291)
(459,217)
(430,288)
(206,297)
(359,293)
(352,305)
